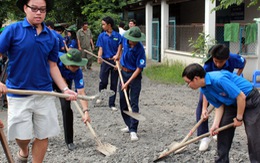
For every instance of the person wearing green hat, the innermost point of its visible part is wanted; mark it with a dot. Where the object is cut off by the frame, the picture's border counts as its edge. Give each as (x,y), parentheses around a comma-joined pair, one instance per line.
(32,51)
(71,38)
(132,61)
(69,66)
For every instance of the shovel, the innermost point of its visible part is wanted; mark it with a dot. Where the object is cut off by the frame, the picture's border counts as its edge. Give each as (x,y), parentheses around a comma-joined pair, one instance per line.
(110,64)
(137,116)
(5,146)
(210,109)
(105,148)
(179,146)
(31,92)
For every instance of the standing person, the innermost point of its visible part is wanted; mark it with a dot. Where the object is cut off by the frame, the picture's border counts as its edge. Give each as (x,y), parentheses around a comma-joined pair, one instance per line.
(72,41)
(235,100)
(121,28)
(85,42)
(32,52)
(69,65)
(132,61)
(50,25)
(220,59)
(110,45)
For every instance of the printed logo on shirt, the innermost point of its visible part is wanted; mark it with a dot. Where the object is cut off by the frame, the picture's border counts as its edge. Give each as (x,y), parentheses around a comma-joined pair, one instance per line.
(142,61)
(116,39)
(81,81)
(222,94)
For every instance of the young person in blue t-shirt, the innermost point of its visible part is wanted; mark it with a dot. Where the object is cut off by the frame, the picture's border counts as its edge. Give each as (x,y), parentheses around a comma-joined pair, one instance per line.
(219,59)
(69,66)
(32,50)
(132,61)
(235,100)
(110,46)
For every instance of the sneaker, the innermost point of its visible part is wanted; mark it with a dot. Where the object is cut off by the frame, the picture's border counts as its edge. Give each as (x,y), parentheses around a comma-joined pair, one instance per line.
(204,144)
(126,129)
(71,146)
(215,137)
(98,101)
(133,136)
(113,108)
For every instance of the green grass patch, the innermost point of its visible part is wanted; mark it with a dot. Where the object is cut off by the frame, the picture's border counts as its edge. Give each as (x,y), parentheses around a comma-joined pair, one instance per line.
(166,73)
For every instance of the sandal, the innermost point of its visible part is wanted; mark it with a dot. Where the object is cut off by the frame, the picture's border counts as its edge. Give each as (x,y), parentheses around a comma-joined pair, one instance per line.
(21,159)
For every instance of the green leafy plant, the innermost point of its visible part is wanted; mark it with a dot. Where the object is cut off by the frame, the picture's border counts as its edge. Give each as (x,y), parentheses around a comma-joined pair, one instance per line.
(201,45)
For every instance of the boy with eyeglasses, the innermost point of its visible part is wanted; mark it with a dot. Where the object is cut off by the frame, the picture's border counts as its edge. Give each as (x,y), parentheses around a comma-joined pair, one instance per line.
(33,53)
(236,101)
(219,58)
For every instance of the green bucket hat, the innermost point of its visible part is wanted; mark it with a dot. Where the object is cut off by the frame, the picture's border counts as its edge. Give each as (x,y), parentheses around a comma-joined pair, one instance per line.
(72,28)
(21,3)
(134,34)
(73,58)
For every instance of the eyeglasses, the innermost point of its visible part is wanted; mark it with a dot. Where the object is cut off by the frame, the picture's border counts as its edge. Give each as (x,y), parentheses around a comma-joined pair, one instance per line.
(188,83)
(36,9)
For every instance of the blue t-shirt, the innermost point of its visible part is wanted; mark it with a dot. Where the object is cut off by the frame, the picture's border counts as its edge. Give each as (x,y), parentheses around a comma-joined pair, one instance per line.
(73,44)
(109,44)
(223,87)
(234,61)
(28,54)
(77,76)
(133,58)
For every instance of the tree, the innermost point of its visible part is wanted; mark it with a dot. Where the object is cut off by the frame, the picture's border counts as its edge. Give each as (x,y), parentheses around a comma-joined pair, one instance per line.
(224,4)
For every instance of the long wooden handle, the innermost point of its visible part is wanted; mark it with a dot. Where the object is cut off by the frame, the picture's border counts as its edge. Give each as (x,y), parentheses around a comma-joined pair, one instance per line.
(88,124)
(122,81)
(100,58)
(62,95)
(191,141)
(210,108)
(5,146)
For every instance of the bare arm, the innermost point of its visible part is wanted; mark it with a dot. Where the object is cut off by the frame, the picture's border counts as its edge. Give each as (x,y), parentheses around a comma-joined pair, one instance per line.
(241,104)
(239,71)
(79,47)
(100,52)
(218,115)
(92,44)
(84,105)
(118,53)
(60,82)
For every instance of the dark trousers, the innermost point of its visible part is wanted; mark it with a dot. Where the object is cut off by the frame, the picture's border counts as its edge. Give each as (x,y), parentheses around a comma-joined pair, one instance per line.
(251,122)
(204,127)
(105,71)
(133,93)
(67,116)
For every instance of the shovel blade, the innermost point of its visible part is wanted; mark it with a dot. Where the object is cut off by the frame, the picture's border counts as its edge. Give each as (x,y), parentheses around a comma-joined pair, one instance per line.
(136,116)
(106,149)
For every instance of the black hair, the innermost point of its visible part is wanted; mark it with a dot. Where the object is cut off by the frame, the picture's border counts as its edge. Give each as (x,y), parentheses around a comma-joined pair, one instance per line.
(132,20)
(220,51)
(109,20)
(122,24)
(85,23)
(50,23)
(193,70)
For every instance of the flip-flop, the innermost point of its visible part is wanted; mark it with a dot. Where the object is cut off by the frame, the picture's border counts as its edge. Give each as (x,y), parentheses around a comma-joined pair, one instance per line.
(21,159)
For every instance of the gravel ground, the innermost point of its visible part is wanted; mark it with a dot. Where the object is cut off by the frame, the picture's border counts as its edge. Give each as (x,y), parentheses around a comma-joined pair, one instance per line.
(169,112)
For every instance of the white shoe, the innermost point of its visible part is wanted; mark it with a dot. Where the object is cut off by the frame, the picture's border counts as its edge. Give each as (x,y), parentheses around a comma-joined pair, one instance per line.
(98,101)
(204,144)
(113,108)
(126,129)
(215,137)
(133,136)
